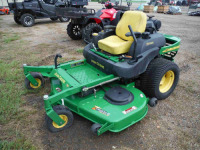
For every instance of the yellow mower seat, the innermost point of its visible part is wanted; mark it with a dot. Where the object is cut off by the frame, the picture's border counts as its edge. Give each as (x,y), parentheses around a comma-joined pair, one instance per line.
(114,45)
(119,43)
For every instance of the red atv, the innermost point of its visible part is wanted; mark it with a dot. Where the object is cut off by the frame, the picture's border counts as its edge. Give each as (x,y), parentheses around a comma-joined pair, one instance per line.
(84,21)
(4,10)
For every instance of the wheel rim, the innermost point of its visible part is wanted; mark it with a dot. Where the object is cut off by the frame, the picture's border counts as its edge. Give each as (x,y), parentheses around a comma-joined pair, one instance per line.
(39,84)
(94,31)
(63,117)
(77,30)
(166,81)
(28,20)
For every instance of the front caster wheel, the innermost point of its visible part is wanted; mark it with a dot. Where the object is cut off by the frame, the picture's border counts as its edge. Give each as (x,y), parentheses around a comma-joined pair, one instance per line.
(95,127)
(38,77)
(65,114)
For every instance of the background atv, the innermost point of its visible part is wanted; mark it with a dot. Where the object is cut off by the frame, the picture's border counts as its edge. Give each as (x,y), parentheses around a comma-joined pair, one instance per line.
(84,22)
(26,12)
(4,10)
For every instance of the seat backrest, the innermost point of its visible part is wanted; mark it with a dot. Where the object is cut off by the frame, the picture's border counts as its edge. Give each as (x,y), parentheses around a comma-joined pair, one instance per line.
(136,19)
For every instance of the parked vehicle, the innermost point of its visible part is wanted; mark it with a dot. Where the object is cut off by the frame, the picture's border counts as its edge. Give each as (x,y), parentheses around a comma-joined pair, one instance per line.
(84,22)
(4,10)
(26,12)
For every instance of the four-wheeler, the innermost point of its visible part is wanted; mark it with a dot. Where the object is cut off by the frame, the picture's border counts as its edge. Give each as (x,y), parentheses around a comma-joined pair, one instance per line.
(84,21)
(125,68)
(26,12)
(4,10)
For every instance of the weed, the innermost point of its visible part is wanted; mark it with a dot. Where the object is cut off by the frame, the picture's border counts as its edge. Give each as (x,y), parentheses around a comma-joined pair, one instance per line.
(79,50)
(20,142)
(11,38)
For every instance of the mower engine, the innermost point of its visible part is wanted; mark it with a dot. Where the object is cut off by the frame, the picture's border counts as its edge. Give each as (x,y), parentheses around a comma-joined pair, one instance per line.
(153,25)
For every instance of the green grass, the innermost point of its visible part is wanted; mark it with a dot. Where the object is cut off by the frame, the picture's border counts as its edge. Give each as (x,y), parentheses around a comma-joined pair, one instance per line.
(19,143)
(11,90)
(8,37)
(13,51)
(79,51)
(14,37)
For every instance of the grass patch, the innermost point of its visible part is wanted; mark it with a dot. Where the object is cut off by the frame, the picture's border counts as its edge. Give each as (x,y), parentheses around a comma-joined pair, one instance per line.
(79,51)
(11,38)
(11,90)
(8,37)
(19,143)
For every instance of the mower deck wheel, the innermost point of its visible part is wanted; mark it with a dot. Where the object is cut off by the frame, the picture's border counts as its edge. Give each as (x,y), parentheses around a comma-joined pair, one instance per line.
(89,30)
(27,20)
(153,102)
(95,127)
(64,114)
(38,77)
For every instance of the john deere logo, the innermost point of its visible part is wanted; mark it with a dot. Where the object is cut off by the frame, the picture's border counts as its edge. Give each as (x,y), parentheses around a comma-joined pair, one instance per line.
(97,63)
(171,49)
(149,43)
(59,77)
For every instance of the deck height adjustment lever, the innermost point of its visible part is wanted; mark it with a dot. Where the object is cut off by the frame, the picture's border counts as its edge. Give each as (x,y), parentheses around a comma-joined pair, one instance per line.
(55,60)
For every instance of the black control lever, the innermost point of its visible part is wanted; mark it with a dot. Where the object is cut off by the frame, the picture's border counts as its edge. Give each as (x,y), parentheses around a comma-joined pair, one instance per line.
(55,60)
(150,16)
(134,37)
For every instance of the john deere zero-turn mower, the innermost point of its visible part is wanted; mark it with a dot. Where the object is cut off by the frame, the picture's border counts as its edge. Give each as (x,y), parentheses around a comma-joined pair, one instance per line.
(125,68)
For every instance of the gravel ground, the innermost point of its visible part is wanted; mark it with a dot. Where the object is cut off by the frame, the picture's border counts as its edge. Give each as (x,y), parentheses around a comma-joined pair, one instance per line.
(173,124)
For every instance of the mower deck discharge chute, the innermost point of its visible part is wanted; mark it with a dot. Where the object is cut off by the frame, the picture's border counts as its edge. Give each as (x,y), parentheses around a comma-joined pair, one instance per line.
(111,86)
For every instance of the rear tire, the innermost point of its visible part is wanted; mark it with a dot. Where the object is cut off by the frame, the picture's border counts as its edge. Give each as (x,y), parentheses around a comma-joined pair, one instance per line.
(74,31)
(17,20)
(160,78)
(64,19)
(27,20)
(89,30)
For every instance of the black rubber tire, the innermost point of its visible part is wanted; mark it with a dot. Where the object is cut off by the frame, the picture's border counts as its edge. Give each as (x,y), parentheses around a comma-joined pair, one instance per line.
(64,19)
(153,102)
(27,20)
(35,75)
(54,18)
(150,79)
(17,20)
(95,127)
(88,30)
(74,31)
(60,110)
